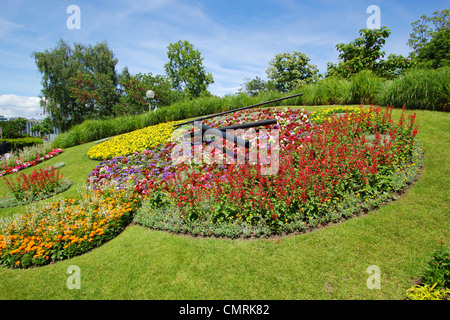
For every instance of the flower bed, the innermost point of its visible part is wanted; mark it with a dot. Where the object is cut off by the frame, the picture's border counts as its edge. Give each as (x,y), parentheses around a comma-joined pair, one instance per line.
(20,165)
(329,170)
(65,229)
(129,143)
(331,173)
(38,185)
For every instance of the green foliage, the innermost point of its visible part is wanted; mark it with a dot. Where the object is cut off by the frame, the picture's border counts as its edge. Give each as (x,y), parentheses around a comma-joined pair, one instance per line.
(435,278)
(255,86)
(435,53)
(394,66)
(59,65)
(418,89)
(423,32)
(437,271)
(185,69)
(20,143)
(46,127)
(331,90)
(364,87)
(426,292)
(364,53)
(134,101)
(94,93)
(288,71)
(11,128)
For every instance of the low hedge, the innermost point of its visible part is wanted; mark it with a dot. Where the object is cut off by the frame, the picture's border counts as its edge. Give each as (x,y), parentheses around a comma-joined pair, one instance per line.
(20,143)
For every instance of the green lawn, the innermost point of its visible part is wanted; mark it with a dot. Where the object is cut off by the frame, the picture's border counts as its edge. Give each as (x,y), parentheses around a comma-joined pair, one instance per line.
(329,263)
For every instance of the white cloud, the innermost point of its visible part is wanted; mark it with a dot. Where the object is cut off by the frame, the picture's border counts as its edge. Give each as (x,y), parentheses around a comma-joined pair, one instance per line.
(12,105)
(7,27)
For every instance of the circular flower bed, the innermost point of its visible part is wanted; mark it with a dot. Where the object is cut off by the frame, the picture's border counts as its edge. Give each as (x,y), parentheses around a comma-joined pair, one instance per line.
(332,164)
(65,228)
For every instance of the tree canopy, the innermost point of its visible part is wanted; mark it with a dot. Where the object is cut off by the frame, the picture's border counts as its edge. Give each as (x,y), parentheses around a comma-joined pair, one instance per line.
(430,40)
(290,70)
(185,69)
(58,66)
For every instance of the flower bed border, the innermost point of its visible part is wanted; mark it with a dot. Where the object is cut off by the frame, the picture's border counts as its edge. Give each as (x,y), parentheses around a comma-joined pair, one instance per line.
(50,155)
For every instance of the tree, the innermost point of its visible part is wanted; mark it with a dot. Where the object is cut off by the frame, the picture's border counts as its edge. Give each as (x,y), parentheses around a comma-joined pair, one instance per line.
(423,32)
(45,128)
(394,66)
(134,100)
(430,40)
(254,87)
(95,93)
(12,128)
(186,71)
(362,53)
(58,66)
(288,71)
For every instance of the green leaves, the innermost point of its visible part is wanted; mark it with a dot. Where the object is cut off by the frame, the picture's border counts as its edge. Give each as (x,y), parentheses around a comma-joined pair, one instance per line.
(365,53)
(185,69)
(59,65)
(288,71)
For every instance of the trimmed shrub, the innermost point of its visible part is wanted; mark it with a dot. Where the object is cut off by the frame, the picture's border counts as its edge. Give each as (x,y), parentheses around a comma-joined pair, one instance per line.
(21,143)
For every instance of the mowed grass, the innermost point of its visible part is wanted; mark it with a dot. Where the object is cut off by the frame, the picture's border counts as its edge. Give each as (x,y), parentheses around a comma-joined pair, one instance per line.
(329,263)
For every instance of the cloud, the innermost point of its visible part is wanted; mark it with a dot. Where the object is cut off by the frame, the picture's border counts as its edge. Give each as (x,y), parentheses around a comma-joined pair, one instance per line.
(7,27)
(12,105)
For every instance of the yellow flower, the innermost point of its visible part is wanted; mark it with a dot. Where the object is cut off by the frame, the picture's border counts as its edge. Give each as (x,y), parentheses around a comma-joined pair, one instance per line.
(136,141)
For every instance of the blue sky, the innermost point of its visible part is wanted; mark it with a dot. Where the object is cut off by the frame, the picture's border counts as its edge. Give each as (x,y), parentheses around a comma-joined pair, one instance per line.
(237,39)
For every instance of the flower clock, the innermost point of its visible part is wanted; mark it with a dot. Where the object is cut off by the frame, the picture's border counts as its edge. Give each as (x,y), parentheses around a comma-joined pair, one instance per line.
(302,172)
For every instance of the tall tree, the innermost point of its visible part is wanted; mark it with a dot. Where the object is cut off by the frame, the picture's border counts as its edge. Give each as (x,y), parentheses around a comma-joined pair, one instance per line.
(58,66)
(134,100)
(362,53)
(288,71)
(365,53)
(185,69)
(95,94)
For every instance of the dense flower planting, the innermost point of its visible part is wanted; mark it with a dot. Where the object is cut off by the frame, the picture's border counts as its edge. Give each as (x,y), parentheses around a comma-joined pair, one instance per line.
(20,165)
(65,228)
(328,169)
(136,141)
(316,174)
(331,164)
(40,184)
(39,181)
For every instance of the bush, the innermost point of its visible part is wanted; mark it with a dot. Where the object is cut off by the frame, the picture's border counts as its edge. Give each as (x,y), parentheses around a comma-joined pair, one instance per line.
(332,90)
(21,143)
(426,292)
(418,89)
